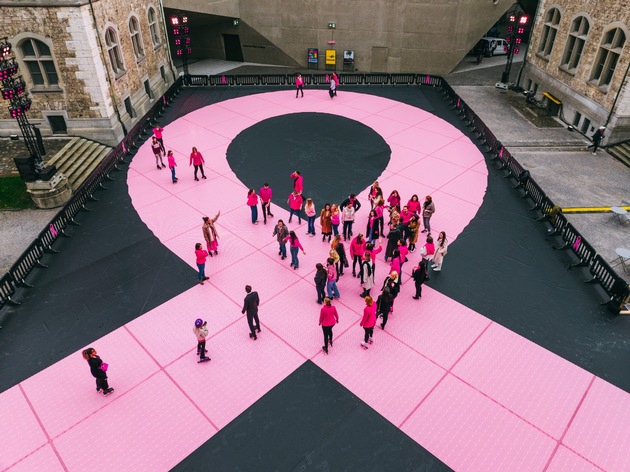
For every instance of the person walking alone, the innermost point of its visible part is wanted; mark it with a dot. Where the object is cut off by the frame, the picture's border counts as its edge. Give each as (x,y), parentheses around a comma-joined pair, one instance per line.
(597,139)
(328,317)
(196,159)
(98,369)
(250,305)
(299,85)
(368,321)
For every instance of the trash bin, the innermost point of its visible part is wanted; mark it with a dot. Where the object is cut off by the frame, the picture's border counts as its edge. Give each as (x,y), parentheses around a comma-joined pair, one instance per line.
(553,104)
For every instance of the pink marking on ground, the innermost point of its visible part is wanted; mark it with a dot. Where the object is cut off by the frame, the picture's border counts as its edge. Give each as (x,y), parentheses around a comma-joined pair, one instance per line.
(43,459)
(469,431)
(600,429)
(566,461)
(484,424)
(535,384)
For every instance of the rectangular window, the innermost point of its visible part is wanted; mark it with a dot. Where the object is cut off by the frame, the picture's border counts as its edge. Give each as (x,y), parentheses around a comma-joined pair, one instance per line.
(57,124)
(576,118)
(163,74)
(129,108)
(586,125)
(147,88)
(36,73)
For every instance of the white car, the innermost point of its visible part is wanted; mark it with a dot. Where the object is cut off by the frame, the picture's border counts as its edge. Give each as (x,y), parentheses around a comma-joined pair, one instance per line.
(497,46)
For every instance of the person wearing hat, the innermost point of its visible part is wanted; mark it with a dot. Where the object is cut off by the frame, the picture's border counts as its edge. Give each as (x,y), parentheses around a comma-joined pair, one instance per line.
(597,138)
(201,332)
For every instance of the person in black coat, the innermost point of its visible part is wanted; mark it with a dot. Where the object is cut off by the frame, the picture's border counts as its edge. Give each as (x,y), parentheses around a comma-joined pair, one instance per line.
(420,275)
(394,235)
(250,305)
(321,277)
(98,369)
(384,306)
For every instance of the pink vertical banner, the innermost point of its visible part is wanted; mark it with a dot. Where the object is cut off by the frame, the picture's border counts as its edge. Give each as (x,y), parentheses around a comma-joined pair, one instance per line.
(459,101)
(164,99)
(501,152)
(124,148)
(327,79)
(223,81)
(427,80)
(53,231)
(576,244)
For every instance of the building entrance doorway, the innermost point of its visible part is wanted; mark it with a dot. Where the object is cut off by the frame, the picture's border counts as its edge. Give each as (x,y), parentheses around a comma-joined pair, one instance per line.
(232,44)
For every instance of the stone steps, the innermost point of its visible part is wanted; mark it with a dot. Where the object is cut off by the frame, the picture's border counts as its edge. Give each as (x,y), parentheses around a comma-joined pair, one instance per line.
(78,159)
(621,152)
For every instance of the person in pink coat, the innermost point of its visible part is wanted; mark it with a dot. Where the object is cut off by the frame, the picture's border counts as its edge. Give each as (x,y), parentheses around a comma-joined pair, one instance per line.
(368,321)
(414,204)
(357,248)
(265,201)
(295,201)
(252,203)
(294,247)
(428,250)
(196,159)
(299,85)
(171,165)
(201,255)
(157,132)
(298,181)
(328,317)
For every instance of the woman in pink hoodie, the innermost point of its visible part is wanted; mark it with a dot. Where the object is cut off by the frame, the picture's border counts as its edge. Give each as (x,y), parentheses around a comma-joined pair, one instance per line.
(294,247)
(295,201)
(328,317)
(357,248)
(252,203)
(196,159)
(368,321)
(299,85)
(201,255)
(171,165)
(298,181)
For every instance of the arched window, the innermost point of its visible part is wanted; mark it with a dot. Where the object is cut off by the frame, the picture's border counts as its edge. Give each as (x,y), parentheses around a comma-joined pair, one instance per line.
(153,26)
(113,51)
(608,56)
(136,38)
(39,62)
(550,29)
(575,43)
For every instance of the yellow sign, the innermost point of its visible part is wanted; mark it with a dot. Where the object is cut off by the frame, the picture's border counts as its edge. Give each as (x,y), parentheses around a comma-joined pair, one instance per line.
(331,57)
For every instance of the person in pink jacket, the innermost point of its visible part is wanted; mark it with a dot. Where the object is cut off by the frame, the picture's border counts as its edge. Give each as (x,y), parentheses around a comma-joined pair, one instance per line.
(252,203)
(157,132)
(295,201)
(201,255)
(368,321)
(298,181)
(357,248)
(299,85)
(265,201)
(294,246)
(328,317)
(171,165)
(373,252)
(414,204)
(196,159)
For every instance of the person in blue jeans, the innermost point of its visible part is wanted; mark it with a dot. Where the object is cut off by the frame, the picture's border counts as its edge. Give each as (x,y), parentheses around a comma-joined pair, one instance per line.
(281,232)
(294,247)
(331,283)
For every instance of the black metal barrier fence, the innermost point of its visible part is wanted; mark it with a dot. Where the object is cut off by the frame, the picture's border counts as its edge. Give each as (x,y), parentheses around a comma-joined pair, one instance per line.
(614,286)
(32,256)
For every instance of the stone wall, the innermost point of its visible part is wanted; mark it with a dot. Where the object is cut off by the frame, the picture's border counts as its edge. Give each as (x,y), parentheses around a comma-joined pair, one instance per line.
(89,96)
(574,88)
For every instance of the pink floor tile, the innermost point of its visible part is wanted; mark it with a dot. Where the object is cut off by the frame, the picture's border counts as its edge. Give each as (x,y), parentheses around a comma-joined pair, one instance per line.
(406,186)
(65,393)
(481,167)
(242,106)
(210,196)
(231,249)
(239,222)
(269,112)
(166,331)
(422,140)
(294,317)
(21,433)
(175,129)
(402,157)
(404,113)
(386,128)
(470,432)
(152,427)
(256,271)
(229,129)
(216,159)
(210,115)
(240,372)
(197,136)
(389,376)
(566,461)
(599,431)
(461,153)
(439,126)
(452,215)
(469,186)
(186,178)
(535,384)
(364,101)
(352,113)
(144,192)
(44,459)
(433,172)
(170,217)
(436,326)
(143,161)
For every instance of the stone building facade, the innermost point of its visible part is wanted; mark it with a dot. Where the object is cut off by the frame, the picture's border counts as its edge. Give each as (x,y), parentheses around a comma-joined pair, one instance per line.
(580,53)
(92,68)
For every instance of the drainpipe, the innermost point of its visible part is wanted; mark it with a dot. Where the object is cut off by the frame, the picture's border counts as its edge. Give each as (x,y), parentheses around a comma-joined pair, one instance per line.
(168,46)
(109,78)
(623,81)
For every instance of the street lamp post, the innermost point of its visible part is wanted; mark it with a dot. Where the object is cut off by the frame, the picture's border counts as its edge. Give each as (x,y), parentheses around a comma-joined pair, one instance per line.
(514,38)
(179,23)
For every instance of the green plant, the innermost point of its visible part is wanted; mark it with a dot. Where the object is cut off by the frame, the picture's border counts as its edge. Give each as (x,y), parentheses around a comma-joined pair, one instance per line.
(13,193)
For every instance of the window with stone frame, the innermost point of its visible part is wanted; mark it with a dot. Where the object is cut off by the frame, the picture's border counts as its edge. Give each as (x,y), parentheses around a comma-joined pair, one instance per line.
(136,38)
(608,56)
(113,51)
(575,43)
(549,32)
(153,26)
(40,63)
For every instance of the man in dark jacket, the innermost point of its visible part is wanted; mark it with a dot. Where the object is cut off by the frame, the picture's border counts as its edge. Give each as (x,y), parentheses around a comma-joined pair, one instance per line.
(597,138)
(420,275)
(250,305)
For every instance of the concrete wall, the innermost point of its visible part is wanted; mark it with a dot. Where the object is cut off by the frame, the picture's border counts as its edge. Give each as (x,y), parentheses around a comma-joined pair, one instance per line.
(429,36)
